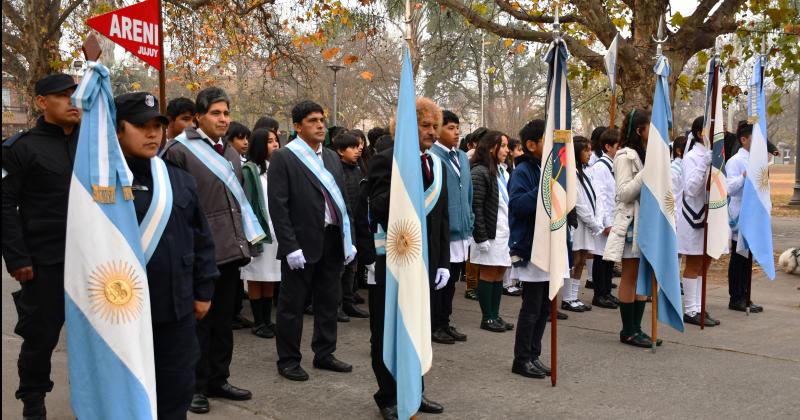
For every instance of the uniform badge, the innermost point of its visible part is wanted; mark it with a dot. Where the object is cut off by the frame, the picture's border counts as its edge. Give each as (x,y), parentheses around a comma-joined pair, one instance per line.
(150,101)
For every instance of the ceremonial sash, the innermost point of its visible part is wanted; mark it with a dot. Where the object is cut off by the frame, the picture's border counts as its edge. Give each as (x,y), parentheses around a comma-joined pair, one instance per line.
(380,241)
(223,169)
(435,189)
(502,185)
(155,221)
(314,163)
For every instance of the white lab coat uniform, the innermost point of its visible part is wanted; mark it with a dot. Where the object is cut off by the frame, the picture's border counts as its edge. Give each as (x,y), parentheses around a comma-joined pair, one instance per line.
(734,178)
(696,163)
(605,187)
(583,237)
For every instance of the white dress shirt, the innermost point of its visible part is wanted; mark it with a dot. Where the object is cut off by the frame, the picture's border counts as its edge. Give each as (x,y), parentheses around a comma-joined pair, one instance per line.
(735,170)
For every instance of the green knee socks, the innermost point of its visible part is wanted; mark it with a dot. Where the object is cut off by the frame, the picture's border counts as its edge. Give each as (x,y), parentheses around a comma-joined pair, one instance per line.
(497,293)
(626,313)
(485,298)
(638,314)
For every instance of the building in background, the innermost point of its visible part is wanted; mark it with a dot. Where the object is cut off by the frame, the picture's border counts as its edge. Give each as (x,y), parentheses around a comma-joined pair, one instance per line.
(15,108)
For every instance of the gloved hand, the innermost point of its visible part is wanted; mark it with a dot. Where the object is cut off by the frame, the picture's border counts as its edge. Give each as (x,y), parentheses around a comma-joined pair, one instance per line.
(443,275)
(371,274)
(348,260)
(296,260)
(482,247)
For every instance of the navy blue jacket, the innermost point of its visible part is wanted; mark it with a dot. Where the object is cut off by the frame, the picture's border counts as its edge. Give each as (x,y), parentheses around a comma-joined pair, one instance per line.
(183,268)
(523,189)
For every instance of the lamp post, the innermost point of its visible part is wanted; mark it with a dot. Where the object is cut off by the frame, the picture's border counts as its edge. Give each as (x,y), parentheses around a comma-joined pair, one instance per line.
(335,68)
(795,201)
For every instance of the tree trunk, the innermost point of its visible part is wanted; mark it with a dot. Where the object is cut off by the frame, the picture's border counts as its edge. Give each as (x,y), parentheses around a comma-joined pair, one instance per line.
(40,36)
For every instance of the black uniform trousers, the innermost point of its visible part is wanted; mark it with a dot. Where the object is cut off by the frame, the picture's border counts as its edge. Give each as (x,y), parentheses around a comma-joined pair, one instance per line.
(40,314)
(386,396)
(214,331)
(176,351)
(532,321)
(323,280)
(602,273)
(442,299)
(738,270)
(348,282)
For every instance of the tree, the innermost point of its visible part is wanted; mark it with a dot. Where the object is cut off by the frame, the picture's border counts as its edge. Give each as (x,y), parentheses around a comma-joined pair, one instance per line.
(589,22)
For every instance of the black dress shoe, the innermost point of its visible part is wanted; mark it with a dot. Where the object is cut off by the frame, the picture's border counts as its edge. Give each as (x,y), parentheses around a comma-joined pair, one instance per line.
(341,316)
(527,370)
(695,320)
(659,342)
(613,285)
(508,326)
(34,409)
(354,311)
(568,307)
(613,298)
(309,310)
(453,332)
(561,315)
(263,331)
(636,340)
(199,404)
(230,392)
(756,308)
(604,302)
(714,320)
(442,337)
(389,413)
(492,325)
(333,364)
(738,306)
(358,299)
(430,407)
(589,284)
(294,373)
(539,365)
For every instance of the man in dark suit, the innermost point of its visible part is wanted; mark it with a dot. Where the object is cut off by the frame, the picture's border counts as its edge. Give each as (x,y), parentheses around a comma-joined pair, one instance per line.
(429,120)
(314,236)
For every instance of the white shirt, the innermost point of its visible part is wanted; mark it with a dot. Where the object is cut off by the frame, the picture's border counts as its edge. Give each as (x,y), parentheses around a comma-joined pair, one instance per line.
(328,215)
(734,178)
(695,174)
(205,136)
(606,189)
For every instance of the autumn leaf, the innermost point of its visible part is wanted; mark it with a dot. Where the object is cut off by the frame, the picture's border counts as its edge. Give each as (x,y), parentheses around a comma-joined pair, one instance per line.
(520,48)
(330,53)
(136,86)
(366,75)
(349,59)
(677,19)
(507,42)
(491,70)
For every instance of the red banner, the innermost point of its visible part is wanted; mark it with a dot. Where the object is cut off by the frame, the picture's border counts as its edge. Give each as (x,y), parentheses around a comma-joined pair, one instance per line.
(134,28)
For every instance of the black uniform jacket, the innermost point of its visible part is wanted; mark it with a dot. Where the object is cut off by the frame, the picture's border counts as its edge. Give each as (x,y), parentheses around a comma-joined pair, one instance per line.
(182,268)
(37,171)
(379,182)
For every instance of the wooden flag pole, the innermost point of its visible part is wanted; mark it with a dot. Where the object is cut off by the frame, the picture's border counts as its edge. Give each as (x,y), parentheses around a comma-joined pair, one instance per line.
(710,140)
(613,107)
(749,282)
(162,71)
(654,312)
(553,342)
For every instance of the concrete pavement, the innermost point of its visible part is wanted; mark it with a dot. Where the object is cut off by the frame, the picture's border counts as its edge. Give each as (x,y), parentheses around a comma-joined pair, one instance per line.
(749,367)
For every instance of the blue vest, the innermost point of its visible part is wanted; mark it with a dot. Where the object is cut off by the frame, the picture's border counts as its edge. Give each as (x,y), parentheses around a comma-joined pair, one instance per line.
(459,194)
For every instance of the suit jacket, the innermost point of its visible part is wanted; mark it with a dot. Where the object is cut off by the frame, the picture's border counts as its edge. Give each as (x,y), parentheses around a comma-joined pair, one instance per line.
(379,182)
(297,204)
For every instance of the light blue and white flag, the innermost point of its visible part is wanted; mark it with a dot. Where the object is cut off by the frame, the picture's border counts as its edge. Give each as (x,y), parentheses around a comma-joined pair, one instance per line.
(657,238)
(755,228)
(558,184)
(610,60)
(407,332)
(718,229)
(107,302)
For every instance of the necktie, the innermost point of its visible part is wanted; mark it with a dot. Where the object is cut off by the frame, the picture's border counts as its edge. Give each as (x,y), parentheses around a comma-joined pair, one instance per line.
(219,148)
(426,170)
(454,159)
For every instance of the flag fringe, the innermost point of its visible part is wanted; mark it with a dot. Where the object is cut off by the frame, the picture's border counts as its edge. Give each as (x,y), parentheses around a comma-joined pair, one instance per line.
(127,193)
(105,195)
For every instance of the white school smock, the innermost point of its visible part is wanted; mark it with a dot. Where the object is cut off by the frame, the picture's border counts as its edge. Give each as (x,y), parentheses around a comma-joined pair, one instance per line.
(734,178)
(606,189)
(696,163)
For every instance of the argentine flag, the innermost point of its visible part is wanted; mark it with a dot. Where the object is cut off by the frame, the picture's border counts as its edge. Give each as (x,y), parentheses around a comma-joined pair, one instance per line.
(557,185)
(718,228)
(754,220)
(407,332)
(657,239)
(109,334)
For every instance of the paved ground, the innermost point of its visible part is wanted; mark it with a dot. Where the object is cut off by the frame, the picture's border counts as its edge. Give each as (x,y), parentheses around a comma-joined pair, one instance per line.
(749,367)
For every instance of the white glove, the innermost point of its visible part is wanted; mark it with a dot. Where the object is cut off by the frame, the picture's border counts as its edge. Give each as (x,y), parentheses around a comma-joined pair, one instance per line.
(371,274)
(708,156)
(348,260)
(482,247)
(442,276)
(296,260)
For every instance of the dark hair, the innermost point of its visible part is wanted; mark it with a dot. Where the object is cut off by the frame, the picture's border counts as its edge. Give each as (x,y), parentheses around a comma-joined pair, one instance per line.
(533,131)
(697,128)
(236,130)
(597,147)
(679,143)
(268,123)
(209,96)
(345,140)
(360,134)
(484,155)
(448,117)
(303,109)
(178,106)
(257,152)
(609,137)
(634,120)
(744,129)
(512,144)
(580,143)
(384,142)
(374,134)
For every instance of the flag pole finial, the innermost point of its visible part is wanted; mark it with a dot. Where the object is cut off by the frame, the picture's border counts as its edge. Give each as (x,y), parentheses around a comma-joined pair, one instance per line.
(556,28)
(408,21)
(660,38)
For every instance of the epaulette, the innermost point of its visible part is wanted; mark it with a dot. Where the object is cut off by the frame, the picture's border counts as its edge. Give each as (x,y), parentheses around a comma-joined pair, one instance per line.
(13,139)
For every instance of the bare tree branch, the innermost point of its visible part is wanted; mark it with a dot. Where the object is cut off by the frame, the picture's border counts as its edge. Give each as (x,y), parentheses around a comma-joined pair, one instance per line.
(596,18)
(63,17)
(13,15)
(526,16)
(12,65)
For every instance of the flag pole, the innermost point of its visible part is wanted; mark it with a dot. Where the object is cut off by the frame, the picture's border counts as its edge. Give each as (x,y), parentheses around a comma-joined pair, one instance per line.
(710,141)
(162,72)
(613,105)
(654,312)
(553,303)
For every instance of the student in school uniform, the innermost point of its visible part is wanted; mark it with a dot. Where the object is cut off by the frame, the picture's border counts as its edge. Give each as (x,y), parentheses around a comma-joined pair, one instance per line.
(605,187)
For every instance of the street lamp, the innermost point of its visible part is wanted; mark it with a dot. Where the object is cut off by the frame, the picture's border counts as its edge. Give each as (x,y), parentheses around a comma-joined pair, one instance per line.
(335,68)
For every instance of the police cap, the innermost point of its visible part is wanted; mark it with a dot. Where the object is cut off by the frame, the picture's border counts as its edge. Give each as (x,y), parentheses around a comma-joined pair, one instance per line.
(54,83)
(138,108)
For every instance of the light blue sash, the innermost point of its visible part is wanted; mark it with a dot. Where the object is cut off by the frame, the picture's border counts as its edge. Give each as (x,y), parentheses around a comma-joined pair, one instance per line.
(435,189)
(380,241)
(314,163)
(502,184)
(155,221)
(223,169)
